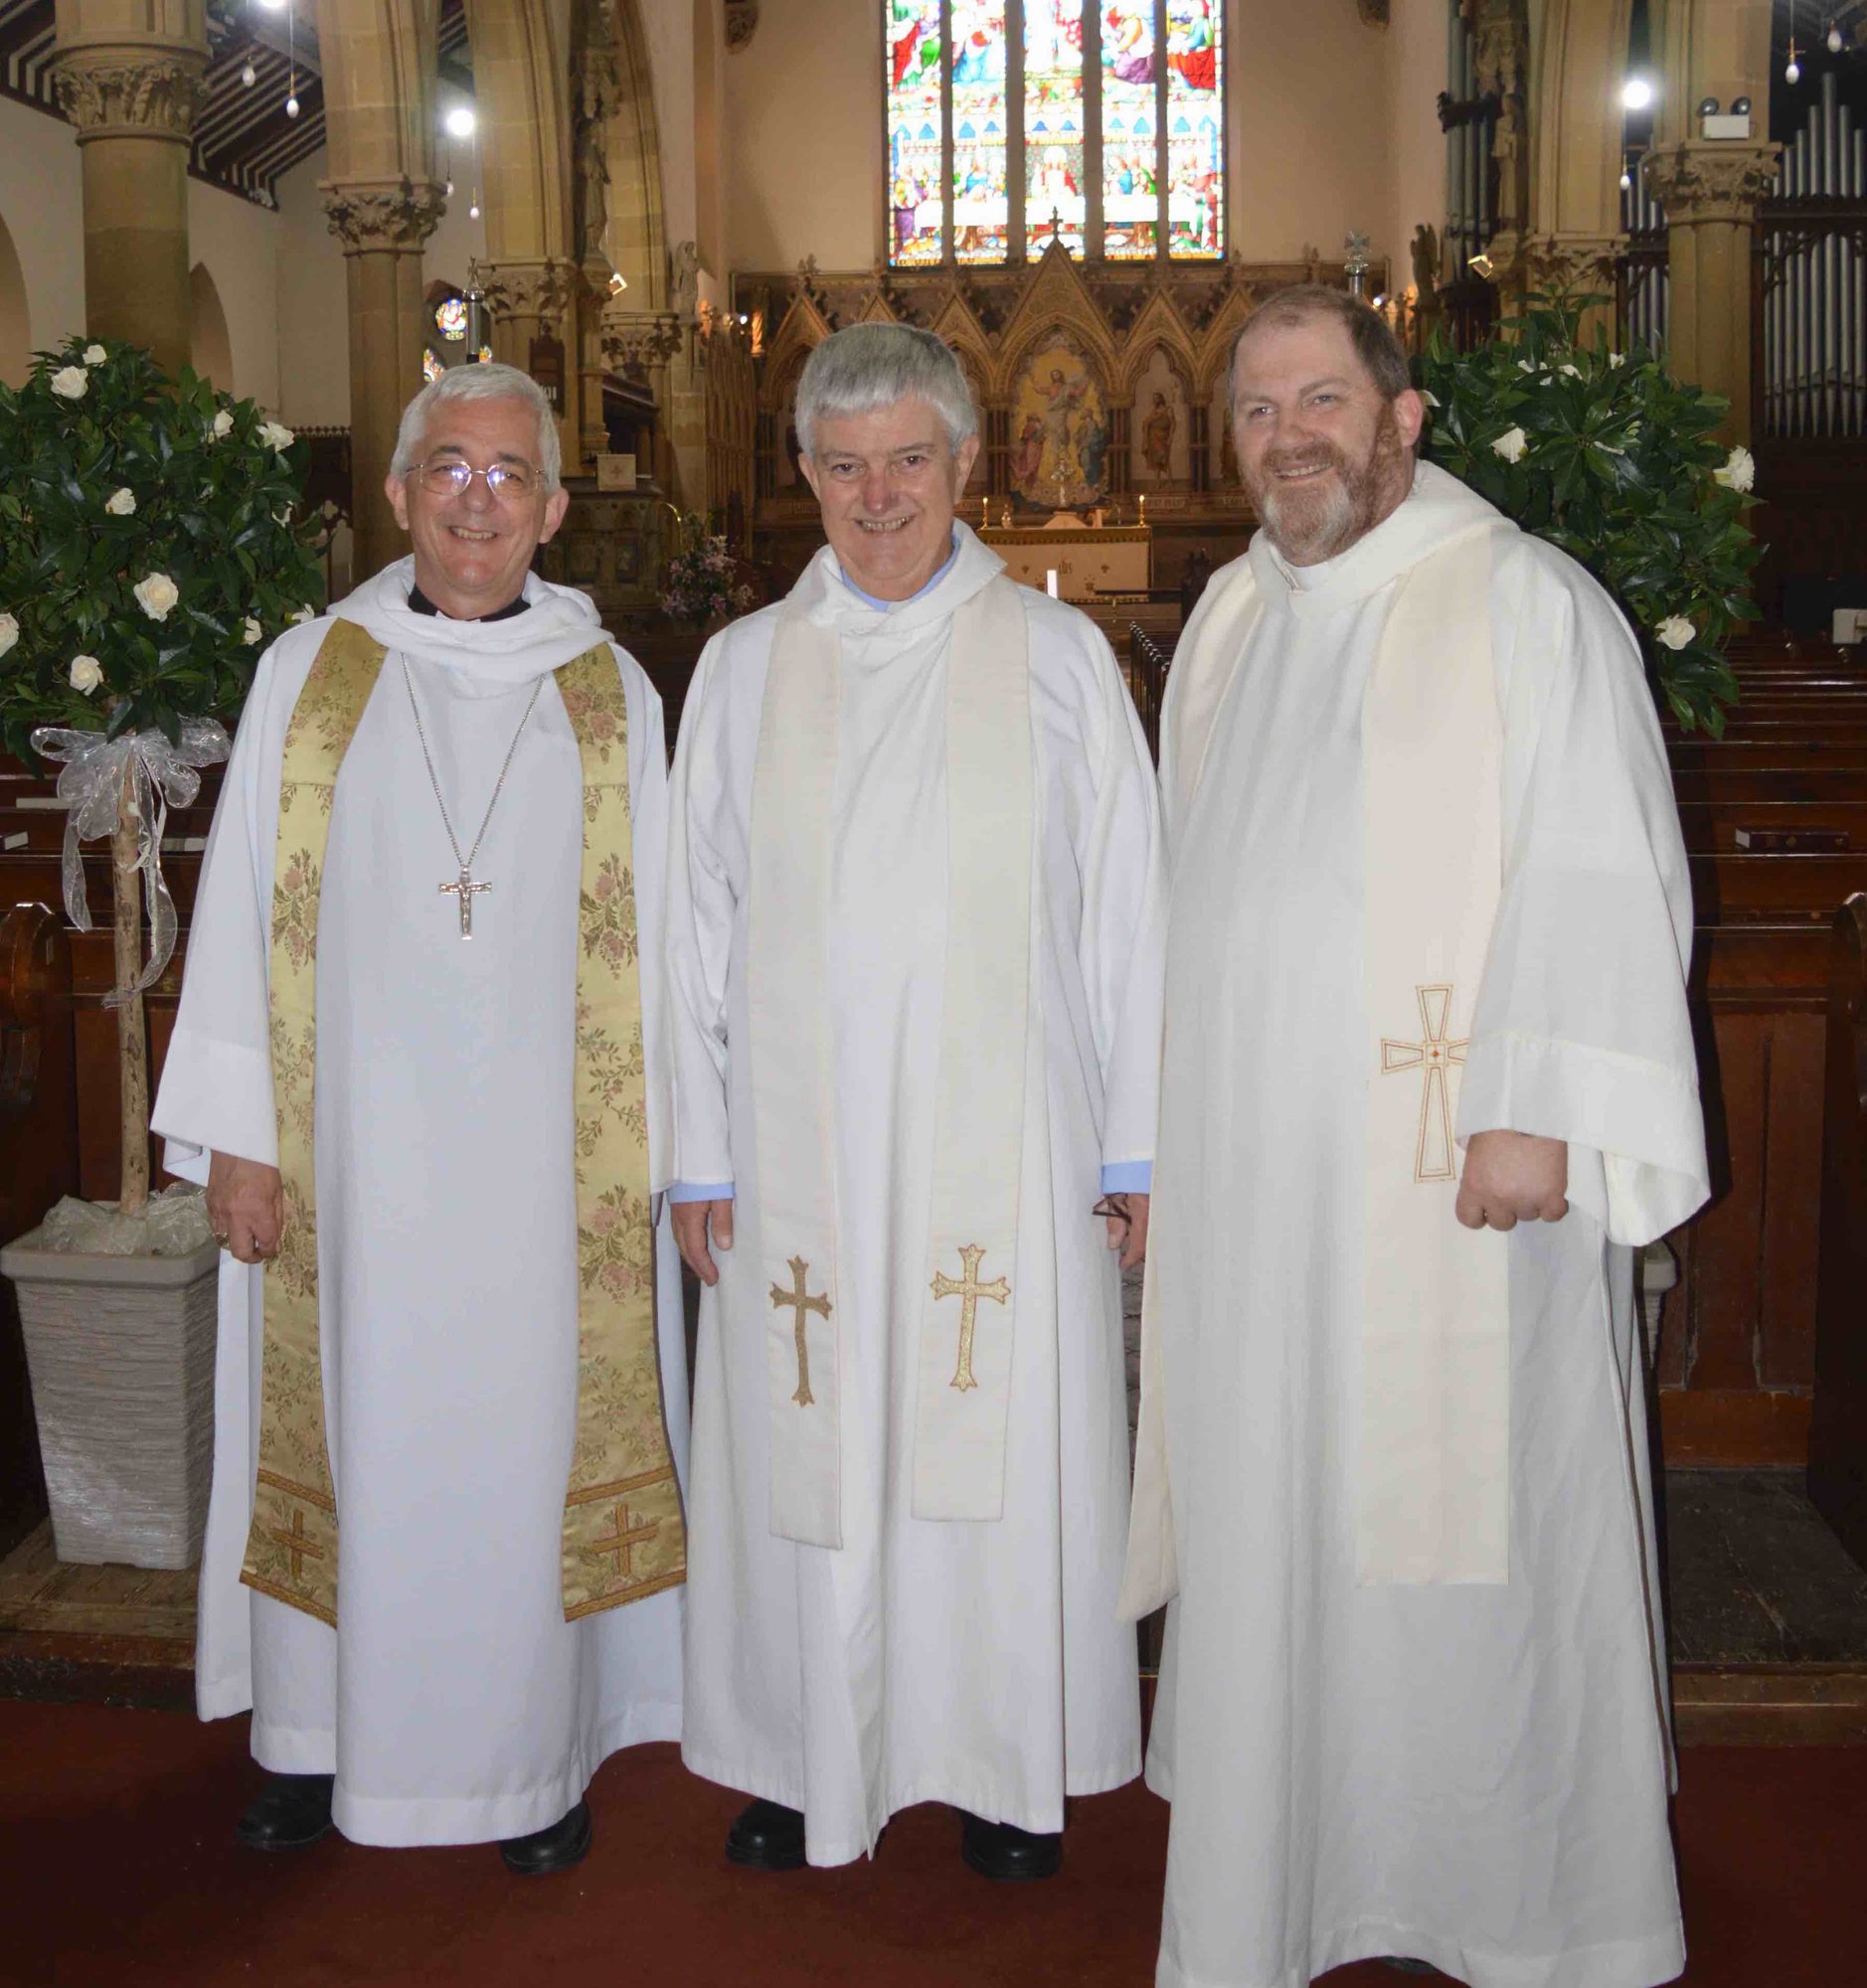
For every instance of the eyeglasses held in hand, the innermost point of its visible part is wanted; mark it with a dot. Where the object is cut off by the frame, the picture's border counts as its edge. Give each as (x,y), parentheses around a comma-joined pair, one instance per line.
(507,481)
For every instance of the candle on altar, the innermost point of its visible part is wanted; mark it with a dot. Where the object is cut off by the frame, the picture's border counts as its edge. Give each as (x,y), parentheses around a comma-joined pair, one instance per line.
(1050,581)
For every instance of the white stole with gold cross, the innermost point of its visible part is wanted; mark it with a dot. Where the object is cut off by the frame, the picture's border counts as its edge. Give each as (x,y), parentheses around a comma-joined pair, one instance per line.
(1431,1468)
(964,1335)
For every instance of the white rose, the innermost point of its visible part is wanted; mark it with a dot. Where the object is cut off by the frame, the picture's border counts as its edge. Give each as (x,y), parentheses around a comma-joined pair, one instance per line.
(222,426)
(1570,372)
(304,614)
(251,632)
(121,503)
(70,383)
(1738,471)
(1431,399)
(155,595)
(1616,359)
(87,674)
(1674,632)
(94,355)
(1511,444)
(9,632)
(275,437)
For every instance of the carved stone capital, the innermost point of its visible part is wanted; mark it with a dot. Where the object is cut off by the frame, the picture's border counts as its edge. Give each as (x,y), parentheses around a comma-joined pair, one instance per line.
(1560,264)
(382,215)
(1710,179)
(545,288)
(123,94)
(634,342)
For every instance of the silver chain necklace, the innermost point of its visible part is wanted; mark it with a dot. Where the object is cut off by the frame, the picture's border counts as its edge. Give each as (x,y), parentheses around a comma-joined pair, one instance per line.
(467,887)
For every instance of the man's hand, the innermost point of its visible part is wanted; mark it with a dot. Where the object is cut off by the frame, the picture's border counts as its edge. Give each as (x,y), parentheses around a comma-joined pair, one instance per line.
(1512,1177)
(246,1207)
(1129,1237)
(691,1221)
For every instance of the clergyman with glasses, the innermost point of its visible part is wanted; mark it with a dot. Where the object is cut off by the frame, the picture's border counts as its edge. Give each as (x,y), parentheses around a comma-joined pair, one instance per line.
(417,1065)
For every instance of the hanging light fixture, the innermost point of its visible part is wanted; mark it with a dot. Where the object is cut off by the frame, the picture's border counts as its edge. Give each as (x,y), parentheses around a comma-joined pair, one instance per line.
(248,76)
(1636,93)
(1793,70)
(291,62)
(1627,177)
(1834,38)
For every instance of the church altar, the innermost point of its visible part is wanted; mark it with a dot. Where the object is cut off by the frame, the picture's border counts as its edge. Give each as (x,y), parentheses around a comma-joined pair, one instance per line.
(1116,558)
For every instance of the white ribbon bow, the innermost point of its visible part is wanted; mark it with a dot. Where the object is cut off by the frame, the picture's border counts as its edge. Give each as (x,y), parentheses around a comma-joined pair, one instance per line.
(92,790)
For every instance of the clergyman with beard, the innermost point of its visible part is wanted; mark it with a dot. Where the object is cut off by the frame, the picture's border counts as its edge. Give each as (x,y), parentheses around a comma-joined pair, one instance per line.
(1427,1083)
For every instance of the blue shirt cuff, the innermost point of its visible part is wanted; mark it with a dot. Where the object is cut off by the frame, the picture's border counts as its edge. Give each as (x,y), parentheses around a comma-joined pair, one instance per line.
(1124,1177)
(700,1191)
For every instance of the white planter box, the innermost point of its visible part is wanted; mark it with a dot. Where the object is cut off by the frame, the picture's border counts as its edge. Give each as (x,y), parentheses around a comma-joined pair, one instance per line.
(120,1350)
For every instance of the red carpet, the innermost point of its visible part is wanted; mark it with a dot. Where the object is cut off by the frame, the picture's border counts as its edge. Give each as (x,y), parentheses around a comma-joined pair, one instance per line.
(122,1871)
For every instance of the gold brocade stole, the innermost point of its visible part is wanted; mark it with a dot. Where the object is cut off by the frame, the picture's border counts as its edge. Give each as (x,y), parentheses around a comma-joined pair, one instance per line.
(623,1534)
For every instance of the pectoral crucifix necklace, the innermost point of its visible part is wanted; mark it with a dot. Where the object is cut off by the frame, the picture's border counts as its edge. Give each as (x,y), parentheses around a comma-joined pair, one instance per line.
(467,887)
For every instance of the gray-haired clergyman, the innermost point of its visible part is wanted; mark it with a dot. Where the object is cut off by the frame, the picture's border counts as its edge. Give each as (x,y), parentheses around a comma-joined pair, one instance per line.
(915,947)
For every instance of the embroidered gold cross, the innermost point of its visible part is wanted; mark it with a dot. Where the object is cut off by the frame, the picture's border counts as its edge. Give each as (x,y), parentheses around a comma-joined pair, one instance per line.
(298,1545)
(969,1290)
(1435,1055)
(621,1545)
(801,1304)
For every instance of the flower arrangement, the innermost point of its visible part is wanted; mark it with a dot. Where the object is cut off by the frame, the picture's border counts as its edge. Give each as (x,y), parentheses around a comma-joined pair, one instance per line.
(1607,455)
(150,544)
(703,577)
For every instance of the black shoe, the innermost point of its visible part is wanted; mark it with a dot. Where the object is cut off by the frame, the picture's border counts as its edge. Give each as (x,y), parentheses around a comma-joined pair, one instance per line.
(290,1811)
(1010,1854)
(565,1843)
(1401,1966)
(767,1837)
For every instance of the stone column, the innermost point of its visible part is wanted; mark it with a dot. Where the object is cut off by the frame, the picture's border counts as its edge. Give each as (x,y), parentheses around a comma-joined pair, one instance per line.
(531,298)
(133,91)
(381,225)
(1710,190)
(641,346)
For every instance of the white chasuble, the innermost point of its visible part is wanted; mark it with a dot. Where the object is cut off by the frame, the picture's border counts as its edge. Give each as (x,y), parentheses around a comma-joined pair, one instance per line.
(969,870)
(1368,1749)
(453,1699)
(1433,1451)
(964,1362)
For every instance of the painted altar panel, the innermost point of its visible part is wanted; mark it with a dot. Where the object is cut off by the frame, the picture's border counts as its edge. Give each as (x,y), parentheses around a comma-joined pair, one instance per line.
(1058,426)
(1159,432)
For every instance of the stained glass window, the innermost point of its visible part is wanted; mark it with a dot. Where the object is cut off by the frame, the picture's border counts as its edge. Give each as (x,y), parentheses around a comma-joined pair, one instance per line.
(914,121)
(1195,128)
(450,317)
(432,368)
(1054,125)
(982,202)
(1054,119)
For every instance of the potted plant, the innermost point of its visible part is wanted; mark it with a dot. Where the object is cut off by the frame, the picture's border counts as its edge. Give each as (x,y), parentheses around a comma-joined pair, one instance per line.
(1607,455)
(149,548)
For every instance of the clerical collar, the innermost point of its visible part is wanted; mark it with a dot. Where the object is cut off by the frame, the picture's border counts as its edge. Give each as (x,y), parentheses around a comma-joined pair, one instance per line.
(888,606)
(421,605)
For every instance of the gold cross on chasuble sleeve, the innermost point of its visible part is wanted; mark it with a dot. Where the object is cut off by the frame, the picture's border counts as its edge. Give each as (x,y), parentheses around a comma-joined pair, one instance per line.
(967,1289)
(622,1467)
(795,1299)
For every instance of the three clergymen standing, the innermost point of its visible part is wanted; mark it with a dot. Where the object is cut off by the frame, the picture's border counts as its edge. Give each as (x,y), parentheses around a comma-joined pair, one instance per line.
(864,1011)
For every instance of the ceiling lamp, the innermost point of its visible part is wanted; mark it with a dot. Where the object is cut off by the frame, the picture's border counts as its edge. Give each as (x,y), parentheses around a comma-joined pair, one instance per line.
(461,121)
(1636,93)
(248,76)
(1834,38)
(1792,69)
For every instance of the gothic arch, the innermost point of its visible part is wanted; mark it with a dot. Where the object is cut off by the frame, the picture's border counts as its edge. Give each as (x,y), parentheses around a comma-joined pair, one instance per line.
(210,342)
(1579,58)
(638,233)
(520,92)
(16,332)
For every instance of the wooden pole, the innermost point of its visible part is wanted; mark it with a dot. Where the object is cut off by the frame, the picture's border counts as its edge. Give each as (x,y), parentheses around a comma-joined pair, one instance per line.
(132,1053)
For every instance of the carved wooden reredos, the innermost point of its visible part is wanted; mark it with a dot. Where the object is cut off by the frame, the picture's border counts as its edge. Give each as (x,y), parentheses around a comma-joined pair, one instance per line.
(1147,342)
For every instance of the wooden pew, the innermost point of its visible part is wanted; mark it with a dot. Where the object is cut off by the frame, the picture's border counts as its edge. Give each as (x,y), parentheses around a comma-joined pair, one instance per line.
(1837,1442)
